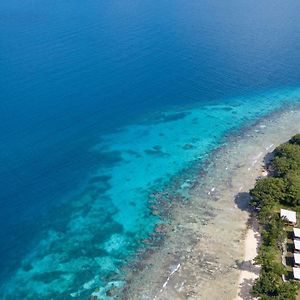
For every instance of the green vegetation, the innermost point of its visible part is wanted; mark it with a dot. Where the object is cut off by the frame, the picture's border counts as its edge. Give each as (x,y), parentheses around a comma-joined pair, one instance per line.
(287,158)
(280,190)
(295,139)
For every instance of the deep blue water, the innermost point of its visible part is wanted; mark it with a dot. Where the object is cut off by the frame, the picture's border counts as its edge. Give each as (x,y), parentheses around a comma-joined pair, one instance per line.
(73,72)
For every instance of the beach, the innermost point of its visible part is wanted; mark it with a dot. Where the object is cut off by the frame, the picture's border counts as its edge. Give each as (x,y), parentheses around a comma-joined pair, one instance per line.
(207,247)
(249,272)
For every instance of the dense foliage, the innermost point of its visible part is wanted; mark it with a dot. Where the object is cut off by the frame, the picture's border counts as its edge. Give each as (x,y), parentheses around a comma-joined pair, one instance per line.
(295,139)
(286,159)
(281,189)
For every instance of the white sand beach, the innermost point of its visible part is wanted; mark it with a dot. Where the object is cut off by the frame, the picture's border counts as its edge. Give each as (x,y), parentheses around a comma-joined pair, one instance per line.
(249,271)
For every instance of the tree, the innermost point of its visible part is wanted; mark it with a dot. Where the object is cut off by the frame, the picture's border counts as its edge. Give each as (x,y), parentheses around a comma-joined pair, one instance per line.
(267,192)
(274,233)
(292,188)
(270,286)
(287,158)
(266,285)
(288,291)
(295,140)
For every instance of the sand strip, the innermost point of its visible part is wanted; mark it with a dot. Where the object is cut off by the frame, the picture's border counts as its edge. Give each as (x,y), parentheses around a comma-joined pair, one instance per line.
(249,271)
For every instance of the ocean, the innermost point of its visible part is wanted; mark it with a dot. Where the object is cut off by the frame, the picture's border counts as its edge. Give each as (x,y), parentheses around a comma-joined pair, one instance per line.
(104,103)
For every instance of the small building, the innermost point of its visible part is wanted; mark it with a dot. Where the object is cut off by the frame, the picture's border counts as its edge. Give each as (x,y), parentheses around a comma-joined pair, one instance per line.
(296,233)
(288,215)
(297,245)
(296,273)
(297,259)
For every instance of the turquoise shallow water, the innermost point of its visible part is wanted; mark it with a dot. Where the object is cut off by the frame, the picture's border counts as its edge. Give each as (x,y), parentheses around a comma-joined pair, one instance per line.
(95,234)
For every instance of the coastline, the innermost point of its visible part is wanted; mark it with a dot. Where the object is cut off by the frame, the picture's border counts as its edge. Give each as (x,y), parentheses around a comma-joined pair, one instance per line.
(132,133)
(191,193)
(252,241)
(249,272)
(205,244)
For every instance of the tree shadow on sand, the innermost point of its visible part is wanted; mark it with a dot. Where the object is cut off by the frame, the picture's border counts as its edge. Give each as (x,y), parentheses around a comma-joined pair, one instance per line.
(242,201)
(245,289)
(248,266)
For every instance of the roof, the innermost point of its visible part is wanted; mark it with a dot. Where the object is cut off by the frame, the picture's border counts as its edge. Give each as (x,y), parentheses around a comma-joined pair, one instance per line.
(296,232)
(297,244)
(297,258)
(289,215)
(296,272)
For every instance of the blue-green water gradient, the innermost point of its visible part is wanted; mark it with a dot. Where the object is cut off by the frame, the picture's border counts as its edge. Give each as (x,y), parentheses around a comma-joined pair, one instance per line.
(100,102)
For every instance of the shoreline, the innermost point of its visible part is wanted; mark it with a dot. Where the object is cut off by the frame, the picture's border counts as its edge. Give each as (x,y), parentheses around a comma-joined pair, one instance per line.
(249,272)
(202,251)
(252,241)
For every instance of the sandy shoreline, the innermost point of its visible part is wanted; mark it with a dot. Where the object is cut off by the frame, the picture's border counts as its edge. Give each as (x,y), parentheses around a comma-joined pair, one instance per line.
(249,271)
(206,253)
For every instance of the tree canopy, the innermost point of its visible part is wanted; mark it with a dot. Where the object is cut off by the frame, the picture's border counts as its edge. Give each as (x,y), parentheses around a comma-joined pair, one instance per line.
(286,158)
(267,192)
(295,139)
(280,189)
